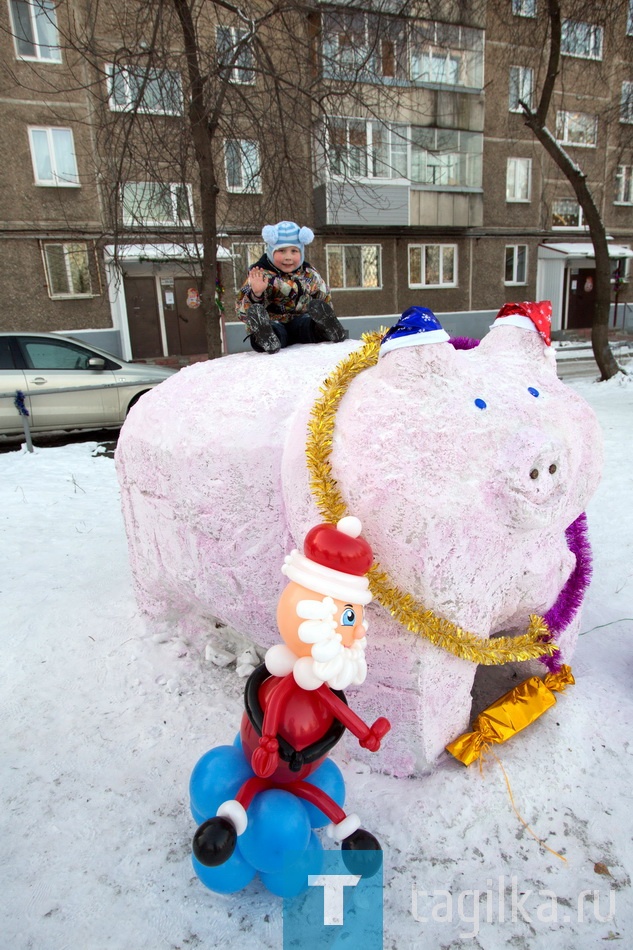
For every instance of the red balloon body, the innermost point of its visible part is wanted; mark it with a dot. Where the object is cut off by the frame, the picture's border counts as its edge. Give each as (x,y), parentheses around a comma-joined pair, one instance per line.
(304,720)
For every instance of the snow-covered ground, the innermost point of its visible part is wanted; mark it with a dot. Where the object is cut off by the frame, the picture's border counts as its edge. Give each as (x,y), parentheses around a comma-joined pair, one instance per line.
(102,721)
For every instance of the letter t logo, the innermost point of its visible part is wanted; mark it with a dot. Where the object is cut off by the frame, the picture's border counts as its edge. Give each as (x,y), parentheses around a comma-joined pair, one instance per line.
(333,885)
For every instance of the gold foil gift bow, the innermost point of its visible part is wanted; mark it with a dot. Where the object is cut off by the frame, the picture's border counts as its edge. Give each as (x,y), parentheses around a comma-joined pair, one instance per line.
(515,710)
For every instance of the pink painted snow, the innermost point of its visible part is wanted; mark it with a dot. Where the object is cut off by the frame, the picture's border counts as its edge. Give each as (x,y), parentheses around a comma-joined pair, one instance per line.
(215,492)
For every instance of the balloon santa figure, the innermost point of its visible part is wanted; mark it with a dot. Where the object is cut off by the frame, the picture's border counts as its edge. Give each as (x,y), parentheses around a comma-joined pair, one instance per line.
(258,800)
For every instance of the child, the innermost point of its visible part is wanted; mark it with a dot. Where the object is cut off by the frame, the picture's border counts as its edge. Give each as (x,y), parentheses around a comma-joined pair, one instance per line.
(284,300)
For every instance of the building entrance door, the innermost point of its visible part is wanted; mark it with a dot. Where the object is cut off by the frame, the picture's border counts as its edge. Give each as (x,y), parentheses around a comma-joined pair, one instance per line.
(582,298)
(189,318)
(143,317)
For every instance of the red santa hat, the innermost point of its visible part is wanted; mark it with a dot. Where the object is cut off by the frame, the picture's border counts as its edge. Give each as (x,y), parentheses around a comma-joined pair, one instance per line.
(530,316)
(334,563)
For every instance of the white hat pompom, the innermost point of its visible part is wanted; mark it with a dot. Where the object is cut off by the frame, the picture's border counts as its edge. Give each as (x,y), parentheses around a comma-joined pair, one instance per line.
(306,235)
(269,233)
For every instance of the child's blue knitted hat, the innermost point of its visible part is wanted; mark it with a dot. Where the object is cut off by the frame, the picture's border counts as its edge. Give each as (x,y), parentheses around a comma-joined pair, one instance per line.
(286,234)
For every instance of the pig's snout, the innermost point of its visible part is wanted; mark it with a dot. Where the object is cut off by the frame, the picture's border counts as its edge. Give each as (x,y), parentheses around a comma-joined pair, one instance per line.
(541,470)
(536,474)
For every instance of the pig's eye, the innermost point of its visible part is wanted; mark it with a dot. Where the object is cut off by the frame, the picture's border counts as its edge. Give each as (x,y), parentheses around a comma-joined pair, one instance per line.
(481,404)
(348,617)
(533,392)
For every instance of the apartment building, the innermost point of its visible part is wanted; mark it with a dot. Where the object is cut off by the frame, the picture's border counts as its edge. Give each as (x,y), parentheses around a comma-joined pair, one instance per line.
(424,186)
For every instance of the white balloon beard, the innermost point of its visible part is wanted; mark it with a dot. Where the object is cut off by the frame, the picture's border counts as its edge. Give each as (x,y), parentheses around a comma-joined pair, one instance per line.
(332,662)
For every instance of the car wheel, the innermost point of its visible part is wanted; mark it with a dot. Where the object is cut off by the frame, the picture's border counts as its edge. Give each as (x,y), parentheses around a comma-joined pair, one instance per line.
(134,401)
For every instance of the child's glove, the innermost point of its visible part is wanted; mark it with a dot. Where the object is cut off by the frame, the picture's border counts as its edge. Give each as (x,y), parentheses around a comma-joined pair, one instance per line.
(376,732)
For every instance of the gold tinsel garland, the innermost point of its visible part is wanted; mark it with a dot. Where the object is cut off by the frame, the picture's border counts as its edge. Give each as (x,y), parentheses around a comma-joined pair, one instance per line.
(402,606)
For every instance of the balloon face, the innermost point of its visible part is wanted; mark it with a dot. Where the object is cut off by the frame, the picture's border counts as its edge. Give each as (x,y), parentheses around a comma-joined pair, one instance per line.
(349,617)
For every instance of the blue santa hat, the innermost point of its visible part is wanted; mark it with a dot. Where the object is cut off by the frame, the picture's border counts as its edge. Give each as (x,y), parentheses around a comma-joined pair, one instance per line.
(286,234)
(416,326)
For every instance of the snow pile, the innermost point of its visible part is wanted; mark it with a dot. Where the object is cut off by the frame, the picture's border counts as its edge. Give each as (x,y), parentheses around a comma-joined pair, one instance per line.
(102,724)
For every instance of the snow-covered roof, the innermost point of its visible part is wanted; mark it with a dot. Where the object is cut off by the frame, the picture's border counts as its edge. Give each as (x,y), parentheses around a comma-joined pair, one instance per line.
(162,252)
(570,249)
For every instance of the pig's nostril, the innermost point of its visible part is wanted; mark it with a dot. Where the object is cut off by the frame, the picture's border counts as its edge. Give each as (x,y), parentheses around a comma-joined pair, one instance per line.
(534,473)
(552,468)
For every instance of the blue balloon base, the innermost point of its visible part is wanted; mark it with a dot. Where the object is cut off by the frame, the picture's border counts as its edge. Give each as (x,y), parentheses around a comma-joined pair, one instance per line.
(279,842)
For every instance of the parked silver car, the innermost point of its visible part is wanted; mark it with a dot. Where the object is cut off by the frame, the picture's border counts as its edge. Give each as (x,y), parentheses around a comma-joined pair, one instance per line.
(65,384)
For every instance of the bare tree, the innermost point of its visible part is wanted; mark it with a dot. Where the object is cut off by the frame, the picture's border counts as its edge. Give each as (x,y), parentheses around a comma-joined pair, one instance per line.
(587,24)
(192,92)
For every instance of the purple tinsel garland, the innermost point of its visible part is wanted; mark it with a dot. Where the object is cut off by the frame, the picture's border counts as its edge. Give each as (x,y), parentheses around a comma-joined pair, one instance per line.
(570,599)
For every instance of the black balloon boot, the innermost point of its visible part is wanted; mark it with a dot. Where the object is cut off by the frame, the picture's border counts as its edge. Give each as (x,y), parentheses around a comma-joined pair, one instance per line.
(214,842)
(361,853)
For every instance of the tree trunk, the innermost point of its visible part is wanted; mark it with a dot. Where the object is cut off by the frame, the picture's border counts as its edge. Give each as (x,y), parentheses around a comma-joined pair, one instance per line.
(202,136)
(537,122)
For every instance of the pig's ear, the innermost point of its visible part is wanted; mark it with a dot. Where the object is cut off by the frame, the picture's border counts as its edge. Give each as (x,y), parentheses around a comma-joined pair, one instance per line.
(522,328)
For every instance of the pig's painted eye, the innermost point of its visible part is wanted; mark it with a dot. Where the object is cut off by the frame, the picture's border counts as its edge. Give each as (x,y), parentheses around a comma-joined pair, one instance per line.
(348,617)
(533,392)
(481,404)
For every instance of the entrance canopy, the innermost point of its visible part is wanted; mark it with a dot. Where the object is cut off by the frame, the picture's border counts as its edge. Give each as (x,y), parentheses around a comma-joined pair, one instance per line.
(163,252)
(569,250)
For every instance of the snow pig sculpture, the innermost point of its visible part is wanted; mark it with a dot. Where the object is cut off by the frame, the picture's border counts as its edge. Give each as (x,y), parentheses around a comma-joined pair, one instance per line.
(465,466)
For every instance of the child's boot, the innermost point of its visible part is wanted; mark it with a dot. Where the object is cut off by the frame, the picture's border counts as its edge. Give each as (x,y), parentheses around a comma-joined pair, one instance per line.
(327,322)
(263,337)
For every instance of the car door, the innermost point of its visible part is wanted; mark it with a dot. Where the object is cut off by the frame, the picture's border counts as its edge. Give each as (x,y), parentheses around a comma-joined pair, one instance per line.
(12,381)
(64,391)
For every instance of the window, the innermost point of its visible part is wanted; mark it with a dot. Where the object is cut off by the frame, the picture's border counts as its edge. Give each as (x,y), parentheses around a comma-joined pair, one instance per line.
(148,203)
(581,39)
(362,46)
(67,270)
(524,7)
(445,157)
(234,51)
(445,54)
(521,87)
(432,265)
(567,213)
(435,66)
(576,128)
(622,270)
(629,20)
(155,91)
(244,256)
(353,266)
(50,354)
(53,156)
(519,179)
(34,24)
(624,185)
(516,264)
(242,165)
(362,148)
(376,49)
(626,103)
